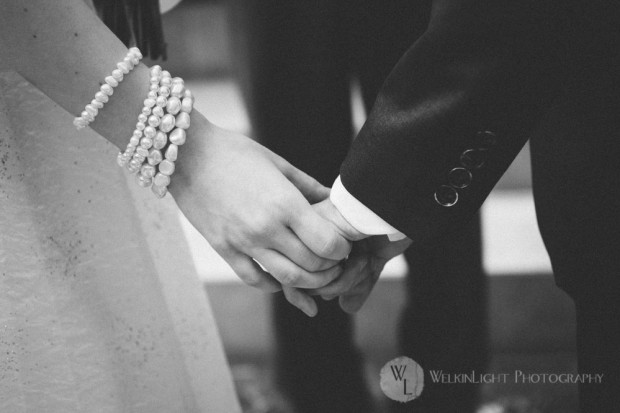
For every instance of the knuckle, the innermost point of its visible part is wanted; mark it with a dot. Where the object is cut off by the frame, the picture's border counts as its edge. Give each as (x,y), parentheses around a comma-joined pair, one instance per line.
(262,226)
(252,281)
(315,263)
(328,246)
(291,278)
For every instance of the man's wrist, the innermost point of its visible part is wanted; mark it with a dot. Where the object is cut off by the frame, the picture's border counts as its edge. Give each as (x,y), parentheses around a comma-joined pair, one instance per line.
(360,216)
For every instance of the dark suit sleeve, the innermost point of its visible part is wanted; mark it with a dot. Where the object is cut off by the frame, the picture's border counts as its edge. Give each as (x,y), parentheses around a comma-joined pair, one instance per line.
(455,111)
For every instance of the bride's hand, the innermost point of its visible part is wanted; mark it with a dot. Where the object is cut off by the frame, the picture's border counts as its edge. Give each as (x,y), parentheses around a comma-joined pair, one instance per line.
(250,204)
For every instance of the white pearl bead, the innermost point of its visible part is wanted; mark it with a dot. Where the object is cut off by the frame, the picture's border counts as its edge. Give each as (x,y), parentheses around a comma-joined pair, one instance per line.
(165,73)
(123,67)
(137,133)
(96,103)
(80,123)
(161,179)
(154,80)
(132,168)
(161,101)
(101,97)
(152,94)
(111,81)
(129,62)
(117,75)
(139,157)
(172,152)
(154,87)
(133,141)
(142,118)
(177,136)
(167,123)
(91,109)
(156,70)
(160,140)
(143,152)
(154,121)
(159,191)
(148,171)
(140,126)
(158,111)
(135,60)
(134,51)
(149,132)
(164,91)
(186,105)
(135,162)
(166,167)
(155,157)
(87,116)
(173,106)
(165,81)
(182,120)
(143,181)
(146,143)
(122,159)
(149,103)
(177,80)
(188,94)
(146,111)
(107,89)
(177,90)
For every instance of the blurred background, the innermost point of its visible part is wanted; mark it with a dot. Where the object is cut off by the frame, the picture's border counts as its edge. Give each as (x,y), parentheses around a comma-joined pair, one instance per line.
(531,324)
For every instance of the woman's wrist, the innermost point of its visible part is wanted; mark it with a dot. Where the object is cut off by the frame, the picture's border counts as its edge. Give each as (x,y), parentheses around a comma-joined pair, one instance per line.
(193,154)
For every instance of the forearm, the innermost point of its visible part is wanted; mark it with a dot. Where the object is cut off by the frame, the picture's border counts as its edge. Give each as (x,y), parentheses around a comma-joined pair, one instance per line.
(480,67)
(63,49)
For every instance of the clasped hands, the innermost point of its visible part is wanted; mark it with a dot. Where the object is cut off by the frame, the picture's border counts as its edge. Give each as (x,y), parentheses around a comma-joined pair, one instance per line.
(275,225)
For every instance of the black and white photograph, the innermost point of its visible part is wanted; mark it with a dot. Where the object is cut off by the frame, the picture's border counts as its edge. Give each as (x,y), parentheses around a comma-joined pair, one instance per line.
(330,206)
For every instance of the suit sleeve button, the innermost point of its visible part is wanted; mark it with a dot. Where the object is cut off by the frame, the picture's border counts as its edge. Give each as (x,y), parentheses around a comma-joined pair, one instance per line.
(486,139)
(446,196)
(459,178)
(473,158)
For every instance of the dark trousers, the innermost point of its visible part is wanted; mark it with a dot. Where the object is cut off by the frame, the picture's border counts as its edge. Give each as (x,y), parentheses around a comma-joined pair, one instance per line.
(296,63)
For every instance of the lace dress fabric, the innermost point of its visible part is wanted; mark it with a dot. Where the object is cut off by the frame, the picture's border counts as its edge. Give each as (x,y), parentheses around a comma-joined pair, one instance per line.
(100,306)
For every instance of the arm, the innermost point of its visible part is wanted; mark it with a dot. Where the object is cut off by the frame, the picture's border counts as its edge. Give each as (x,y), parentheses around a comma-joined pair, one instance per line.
(248,202)
(481,66)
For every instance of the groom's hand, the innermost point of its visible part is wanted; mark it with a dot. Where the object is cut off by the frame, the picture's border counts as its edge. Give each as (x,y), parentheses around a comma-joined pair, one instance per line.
(363,266)
(362,270)
(252,206)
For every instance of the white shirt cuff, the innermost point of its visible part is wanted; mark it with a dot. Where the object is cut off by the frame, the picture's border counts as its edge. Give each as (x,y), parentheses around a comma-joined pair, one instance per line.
(359,215)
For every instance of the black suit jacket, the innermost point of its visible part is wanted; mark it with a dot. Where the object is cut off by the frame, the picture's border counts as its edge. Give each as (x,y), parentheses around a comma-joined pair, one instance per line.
(464,99)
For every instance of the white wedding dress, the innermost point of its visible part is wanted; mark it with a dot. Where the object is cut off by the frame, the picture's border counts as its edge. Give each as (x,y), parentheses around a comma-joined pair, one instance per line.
(101,309)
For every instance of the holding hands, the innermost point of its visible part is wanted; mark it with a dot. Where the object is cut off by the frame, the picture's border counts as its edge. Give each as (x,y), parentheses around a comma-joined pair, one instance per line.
(255,210)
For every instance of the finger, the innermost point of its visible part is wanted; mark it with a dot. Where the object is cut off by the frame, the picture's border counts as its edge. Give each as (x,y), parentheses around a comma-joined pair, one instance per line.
(353,301)
(250,272)
(300,254)
(319,235)
(301,300)
(355,271)
(311,189)
(290,274)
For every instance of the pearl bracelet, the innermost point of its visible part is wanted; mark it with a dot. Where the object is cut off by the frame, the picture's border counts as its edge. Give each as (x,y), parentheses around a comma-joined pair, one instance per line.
(153,147)
(106,90)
